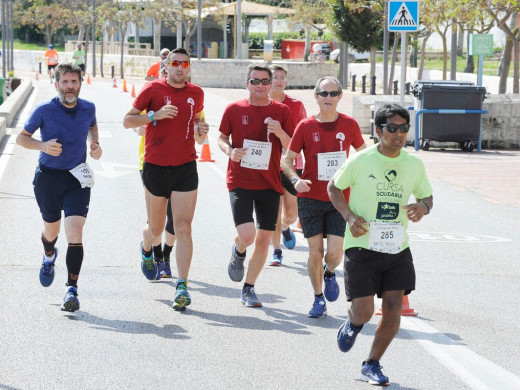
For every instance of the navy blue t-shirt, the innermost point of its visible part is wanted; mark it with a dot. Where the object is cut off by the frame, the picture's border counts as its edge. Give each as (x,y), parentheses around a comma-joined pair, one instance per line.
(70,125)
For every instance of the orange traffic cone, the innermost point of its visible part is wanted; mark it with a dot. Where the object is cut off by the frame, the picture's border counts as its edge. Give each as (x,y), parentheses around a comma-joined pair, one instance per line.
(114,85)
(205,156)
(124,86)
(37,76)
(88,79)
(406,309)
(133,91)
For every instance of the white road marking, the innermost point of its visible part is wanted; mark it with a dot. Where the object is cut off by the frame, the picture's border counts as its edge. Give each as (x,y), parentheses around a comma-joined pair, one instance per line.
(108,169)
(474,370)
(454,237)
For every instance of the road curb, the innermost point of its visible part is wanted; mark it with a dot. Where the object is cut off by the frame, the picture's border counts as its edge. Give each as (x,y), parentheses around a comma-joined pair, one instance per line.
(10,107)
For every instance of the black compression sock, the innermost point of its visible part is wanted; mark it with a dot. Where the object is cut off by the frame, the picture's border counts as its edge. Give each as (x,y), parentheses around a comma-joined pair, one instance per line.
(167,250)
(328,274)
(74,260)
(247,285)
(48,246)
(158,252)
(241,254)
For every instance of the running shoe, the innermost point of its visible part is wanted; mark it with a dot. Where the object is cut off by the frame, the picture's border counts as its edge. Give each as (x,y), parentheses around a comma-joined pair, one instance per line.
(331,290)
(148,265)
(289,239)
(47,269)
(347,335)
(182,298)
(236,266)
(277,258)
(161,265)
(319,308)
(167,272)
(70,300)
(249,298)
(371,373)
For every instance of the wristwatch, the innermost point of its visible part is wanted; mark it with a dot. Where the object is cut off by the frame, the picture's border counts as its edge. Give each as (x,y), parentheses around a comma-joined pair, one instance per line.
(294,180)
(150,115)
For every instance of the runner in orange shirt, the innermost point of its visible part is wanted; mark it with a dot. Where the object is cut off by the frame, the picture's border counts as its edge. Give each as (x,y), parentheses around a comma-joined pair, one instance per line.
(153,71)
(51,56)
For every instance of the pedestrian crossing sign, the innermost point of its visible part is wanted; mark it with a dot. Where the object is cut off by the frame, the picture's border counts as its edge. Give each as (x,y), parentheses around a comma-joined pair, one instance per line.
(403,15)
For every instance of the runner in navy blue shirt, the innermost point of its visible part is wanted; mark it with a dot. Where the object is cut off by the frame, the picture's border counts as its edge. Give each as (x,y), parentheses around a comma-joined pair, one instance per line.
(63,179)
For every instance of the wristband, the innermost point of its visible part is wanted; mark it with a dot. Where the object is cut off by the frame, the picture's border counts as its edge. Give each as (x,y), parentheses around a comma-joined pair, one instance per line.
(427,208)
(150,115)
(94,142)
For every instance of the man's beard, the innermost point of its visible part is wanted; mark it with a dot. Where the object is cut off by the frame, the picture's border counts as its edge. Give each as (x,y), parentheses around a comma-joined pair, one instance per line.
(64,99)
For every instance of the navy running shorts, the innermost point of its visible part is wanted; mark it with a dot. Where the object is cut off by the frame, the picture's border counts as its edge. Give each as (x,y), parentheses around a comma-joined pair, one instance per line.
(368,272)
(319,217)
(161,181)
(57,190)
(264,202)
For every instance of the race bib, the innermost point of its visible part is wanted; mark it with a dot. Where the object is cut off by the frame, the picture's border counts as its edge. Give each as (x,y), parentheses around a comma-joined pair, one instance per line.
(257,155)
(84,174)
(329,163)
(386,237)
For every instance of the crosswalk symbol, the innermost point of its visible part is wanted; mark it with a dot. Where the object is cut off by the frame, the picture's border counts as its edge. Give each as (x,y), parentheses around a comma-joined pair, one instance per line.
(403,15)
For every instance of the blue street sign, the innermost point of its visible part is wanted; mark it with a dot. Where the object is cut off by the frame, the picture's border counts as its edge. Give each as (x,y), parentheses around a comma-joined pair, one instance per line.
(403,15)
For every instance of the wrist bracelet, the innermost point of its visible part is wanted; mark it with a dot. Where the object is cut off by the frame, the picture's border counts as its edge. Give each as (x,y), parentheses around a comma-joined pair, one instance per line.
(427,208)
(94,142)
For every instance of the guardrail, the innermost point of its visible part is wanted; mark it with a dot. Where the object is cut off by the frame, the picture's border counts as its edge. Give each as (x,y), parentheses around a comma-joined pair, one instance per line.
(444,111)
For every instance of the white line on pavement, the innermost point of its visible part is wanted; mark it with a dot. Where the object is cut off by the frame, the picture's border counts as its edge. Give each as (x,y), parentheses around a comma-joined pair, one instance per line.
(474,370)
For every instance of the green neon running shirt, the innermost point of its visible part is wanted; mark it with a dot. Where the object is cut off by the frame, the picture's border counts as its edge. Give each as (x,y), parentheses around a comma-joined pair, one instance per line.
(379,187)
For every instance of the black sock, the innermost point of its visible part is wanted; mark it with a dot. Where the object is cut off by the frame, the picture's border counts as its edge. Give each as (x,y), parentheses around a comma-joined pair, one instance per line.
(243,254)
(74,260)
(368,361)
(157,252)
(147,253)
(287,233)
(247,285)
(48,246)
(319,295)
(167,250)
(328,274)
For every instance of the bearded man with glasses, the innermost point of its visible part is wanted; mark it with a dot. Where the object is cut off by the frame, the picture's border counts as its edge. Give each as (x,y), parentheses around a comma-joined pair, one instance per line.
(378,260)
(173,124)
(253,132)
(325,140)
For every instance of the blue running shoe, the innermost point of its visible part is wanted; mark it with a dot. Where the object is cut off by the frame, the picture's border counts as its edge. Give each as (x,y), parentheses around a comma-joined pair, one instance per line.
(167,272)
(148,265)
(319,308)
(47,270)
(236,266)
(70,301)
(371,373)
(347,335)
(161,265)
(289,239)
(331,290)
(182,298)
(277,258)
(249,298)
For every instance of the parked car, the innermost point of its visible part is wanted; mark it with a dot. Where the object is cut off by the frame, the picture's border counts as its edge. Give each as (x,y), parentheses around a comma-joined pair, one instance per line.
(352,55)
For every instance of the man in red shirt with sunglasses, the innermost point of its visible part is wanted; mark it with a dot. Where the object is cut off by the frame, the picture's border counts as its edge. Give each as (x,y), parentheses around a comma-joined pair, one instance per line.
(253,132)
(173,123)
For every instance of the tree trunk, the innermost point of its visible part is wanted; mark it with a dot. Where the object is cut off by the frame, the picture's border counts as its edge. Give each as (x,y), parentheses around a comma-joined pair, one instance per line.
(460,41)
(307,50)
(102,53)
(373,51)
(445,55)
(397,38)
(122,30)
(423,53)
(516,64)
(81,33)
(85,47)
(189,33)
(156,36)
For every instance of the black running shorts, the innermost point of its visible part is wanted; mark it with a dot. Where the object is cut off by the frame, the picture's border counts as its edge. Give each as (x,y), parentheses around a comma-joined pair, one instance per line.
(368,272)
(161,181)
(319,217)
(264,202)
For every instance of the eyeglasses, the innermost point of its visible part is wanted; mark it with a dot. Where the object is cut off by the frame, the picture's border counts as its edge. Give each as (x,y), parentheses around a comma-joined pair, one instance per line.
(175,63)
(392,127)
(258,81)
(327,93)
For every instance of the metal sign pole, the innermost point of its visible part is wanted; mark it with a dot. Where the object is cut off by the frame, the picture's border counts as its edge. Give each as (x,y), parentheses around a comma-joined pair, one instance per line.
(403,65)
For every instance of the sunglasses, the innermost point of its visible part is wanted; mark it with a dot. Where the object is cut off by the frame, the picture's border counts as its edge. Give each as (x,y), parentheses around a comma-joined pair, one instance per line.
(175,63)
(392,127)
(327,93)
(258,81)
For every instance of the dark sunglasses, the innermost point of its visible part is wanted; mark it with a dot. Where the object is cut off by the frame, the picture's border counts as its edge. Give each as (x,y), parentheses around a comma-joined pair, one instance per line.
(392,127)
(175,63)
(327,93)
(258,81)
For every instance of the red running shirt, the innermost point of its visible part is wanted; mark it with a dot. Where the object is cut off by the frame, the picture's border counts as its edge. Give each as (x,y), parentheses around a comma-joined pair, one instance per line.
(313,137)
(244,121)
(298,113)
(170,142)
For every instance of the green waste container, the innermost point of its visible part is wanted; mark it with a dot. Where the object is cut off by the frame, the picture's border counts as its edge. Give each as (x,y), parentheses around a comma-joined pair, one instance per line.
(2,89)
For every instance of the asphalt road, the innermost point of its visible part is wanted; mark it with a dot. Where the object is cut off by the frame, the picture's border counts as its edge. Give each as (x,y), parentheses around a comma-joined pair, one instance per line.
(127,336)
